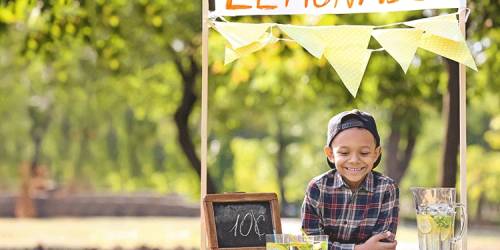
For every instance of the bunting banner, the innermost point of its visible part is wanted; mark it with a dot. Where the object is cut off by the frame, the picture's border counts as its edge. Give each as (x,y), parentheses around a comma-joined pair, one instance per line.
(345,47)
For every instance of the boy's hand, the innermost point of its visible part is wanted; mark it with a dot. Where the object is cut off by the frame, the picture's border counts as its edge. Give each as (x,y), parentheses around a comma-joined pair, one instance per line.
(376,242)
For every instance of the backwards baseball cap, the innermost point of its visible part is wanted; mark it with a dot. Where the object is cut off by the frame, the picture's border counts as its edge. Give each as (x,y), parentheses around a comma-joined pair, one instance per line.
(351,119)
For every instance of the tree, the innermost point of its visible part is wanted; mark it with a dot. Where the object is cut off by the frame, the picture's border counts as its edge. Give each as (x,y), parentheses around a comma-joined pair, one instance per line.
(451,114)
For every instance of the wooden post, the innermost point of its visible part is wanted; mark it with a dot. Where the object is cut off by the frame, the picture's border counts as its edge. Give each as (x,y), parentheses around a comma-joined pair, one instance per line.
(463,128)
(204,118)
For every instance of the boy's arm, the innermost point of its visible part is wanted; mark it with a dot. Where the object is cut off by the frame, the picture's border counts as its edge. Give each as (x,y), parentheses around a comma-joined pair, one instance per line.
(389,211)
(311,217)
(310,214)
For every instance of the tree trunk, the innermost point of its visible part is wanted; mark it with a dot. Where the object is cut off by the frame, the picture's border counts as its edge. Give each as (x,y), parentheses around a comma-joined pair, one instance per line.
(480,204)
(451,114)
(182,116)
(392,148)
(404,163)
(40,118)
(280,165)
(25,207)
(397,161)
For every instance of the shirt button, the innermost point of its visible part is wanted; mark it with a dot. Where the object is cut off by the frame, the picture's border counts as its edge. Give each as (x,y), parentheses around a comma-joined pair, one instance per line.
(345,222)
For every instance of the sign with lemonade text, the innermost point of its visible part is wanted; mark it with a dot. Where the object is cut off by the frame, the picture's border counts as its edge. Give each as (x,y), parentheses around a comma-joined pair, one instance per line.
(316,7)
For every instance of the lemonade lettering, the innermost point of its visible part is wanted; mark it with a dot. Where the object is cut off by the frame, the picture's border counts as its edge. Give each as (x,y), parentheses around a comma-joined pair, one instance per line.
(273,4)
(316,7)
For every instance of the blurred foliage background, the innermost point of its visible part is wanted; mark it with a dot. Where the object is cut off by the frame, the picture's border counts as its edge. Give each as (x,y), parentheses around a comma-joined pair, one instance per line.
(106,95)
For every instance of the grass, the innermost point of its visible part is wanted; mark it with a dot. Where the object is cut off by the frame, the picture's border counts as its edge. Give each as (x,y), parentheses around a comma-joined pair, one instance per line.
(161,232)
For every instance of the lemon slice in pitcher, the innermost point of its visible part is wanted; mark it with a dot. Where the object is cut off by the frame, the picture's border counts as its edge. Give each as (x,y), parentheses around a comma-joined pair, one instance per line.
(276,246)
(446,233)
(424,223)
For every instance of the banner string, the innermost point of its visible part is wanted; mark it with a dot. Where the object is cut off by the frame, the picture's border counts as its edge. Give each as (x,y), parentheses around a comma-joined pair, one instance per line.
(212,20)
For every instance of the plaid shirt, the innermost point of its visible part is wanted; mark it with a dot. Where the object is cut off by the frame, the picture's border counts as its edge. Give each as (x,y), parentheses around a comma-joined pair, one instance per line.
(350,217)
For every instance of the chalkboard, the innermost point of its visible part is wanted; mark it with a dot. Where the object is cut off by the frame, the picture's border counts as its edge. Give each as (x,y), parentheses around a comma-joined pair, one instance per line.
(241,220)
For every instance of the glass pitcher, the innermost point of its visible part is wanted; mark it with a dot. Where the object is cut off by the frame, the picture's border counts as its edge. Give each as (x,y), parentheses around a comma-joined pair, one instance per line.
(436,210)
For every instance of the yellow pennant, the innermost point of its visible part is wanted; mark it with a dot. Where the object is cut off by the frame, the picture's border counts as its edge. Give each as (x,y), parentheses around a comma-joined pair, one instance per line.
(401,44)
(350,65)
(306,36)
(345,36)
(346,50)
(233,54)
(445,26)
(241,34)
(456,51)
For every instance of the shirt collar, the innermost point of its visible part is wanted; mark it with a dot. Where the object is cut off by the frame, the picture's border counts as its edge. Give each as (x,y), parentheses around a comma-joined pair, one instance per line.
(367,184)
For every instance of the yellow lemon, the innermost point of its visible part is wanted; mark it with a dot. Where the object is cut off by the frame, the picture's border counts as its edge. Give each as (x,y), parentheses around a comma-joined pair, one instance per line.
(276,246)
(446,233)
(424,223)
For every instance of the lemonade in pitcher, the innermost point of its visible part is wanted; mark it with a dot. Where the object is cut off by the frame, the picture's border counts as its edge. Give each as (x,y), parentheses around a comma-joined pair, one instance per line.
(435,225)
(296,242)
(436,210)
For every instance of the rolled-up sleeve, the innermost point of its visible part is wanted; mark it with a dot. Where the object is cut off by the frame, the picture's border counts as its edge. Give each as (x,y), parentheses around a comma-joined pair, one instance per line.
(310,214)
(389,211)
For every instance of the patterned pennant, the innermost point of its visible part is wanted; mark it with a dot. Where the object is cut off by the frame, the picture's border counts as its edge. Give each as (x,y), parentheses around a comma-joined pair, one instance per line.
(241,34)
(401,44)
(350,65)
(456,51)
(348,36)
(445,26)
(305,36)
(233,54)
(346,50)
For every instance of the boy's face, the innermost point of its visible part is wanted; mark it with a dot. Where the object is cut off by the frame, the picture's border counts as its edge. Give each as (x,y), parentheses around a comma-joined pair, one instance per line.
(354,152)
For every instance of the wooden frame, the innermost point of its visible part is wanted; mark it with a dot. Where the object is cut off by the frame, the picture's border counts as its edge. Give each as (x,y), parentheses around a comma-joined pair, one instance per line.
(204,121)
(237,197)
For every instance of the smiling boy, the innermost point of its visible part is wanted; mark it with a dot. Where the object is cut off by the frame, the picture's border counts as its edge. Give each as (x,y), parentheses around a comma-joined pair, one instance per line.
(355,206)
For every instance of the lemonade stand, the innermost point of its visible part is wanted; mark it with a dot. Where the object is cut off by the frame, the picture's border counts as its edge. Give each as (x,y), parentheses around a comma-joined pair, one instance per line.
(346,49)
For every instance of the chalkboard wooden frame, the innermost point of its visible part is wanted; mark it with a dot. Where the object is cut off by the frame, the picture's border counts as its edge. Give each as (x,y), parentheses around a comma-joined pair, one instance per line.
(209,200)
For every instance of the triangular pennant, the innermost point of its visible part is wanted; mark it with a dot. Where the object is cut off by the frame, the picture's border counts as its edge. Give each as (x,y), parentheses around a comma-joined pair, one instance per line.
(350,65)
(306,37)
(401,44)
(230,55)
(343,36)
(346,52)
(445,26)
(233,54)
(241,34)
(456,51)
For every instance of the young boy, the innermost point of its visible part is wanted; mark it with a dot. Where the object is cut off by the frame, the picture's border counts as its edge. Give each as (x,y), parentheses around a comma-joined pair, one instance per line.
(355,206)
